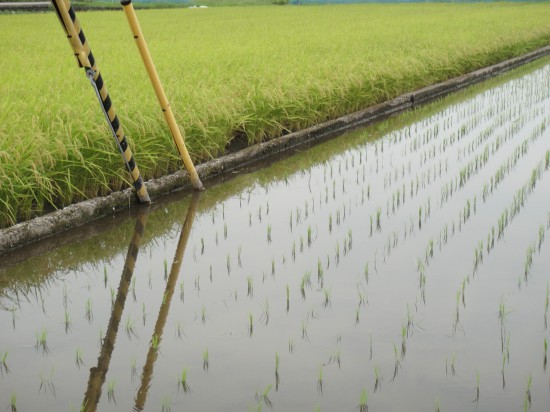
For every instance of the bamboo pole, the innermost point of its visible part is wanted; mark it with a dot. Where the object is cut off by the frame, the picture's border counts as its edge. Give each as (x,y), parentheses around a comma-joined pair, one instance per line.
(164,104)
(85,59)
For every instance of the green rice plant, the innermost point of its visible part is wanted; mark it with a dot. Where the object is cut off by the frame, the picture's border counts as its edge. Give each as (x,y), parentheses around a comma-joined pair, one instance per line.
(143,313)
(182,381)
(272,267)
(111,390)
(309,232)
(239,253)
(166,404)
(105,276)
(544,362)
(205,360)
(225,231)
(13,402)
(263,398)
(133,367)
(203,315)
(287,298)
(42,341)
(527,397)
(363,401)
(78,357)
(250,287)
(268,233)
(437,405)
(326,300)
(155,342)
(165,264)
(129,327)
(378,222)
(228,264)
(290,346)
(377,378)
(250,324)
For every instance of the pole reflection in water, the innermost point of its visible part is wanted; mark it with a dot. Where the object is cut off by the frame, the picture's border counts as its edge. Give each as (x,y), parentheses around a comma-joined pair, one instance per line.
(99,372)
(152,354)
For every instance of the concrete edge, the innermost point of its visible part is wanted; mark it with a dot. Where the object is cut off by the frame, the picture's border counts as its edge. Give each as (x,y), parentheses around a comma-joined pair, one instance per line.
(80,213)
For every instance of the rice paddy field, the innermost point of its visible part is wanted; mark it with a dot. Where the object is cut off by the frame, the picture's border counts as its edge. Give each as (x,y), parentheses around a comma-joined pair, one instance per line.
(400,267)
(233,75)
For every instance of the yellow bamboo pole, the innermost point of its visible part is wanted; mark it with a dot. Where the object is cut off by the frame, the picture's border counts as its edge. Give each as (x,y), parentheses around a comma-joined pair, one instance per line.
(164,104)
(85,59)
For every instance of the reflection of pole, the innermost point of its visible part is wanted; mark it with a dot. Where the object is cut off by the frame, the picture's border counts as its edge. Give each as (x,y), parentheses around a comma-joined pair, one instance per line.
(98,373)
(147,374)
(86,59)
(165,106)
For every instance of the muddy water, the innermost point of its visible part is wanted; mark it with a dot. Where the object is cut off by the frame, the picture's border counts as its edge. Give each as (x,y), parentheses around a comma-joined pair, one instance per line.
(401,267)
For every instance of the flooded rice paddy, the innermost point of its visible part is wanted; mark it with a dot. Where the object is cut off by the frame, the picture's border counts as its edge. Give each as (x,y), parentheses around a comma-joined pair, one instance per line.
(401,267)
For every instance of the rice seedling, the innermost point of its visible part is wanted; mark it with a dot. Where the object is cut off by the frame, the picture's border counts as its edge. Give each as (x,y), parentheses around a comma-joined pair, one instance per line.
(203,315)
(111,391)
(544,362)
(250,287)
(225,231)
(205,360)
(263,398)
(476,400)
(143,313)
(155,342)
(268,233)
(105,276)
(437,405)
(363,401)
(326,300)
(228,264)
(304,331)
(46,383)
(290,346)
(527,397)
(287,298)
(78,357)
(133,367)
(239,253)
(182,382)
(13,402)
(277,380)
(250,324)
(378,223)
(42,341)
(320,380)
(377,378)
(166,404)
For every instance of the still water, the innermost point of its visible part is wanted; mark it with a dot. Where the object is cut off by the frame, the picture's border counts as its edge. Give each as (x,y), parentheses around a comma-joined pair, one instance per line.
(404,266)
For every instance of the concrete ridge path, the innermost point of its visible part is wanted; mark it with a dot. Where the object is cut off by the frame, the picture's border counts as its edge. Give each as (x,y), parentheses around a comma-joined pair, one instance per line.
(86,211)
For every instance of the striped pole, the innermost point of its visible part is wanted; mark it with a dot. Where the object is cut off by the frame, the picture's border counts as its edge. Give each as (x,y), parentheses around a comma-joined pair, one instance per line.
(165,106)
(98,373)
(85,59)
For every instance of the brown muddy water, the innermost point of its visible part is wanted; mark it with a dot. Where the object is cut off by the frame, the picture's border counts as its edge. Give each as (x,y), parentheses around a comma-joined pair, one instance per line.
(401,267)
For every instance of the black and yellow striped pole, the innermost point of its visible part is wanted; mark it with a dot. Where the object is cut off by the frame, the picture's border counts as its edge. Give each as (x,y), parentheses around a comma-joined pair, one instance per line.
(99,372)
(85,59)
(165,106)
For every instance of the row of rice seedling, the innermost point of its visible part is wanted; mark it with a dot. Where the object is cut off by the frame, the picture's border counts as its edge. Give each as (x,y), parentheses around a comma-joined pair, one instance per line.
(284,297)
